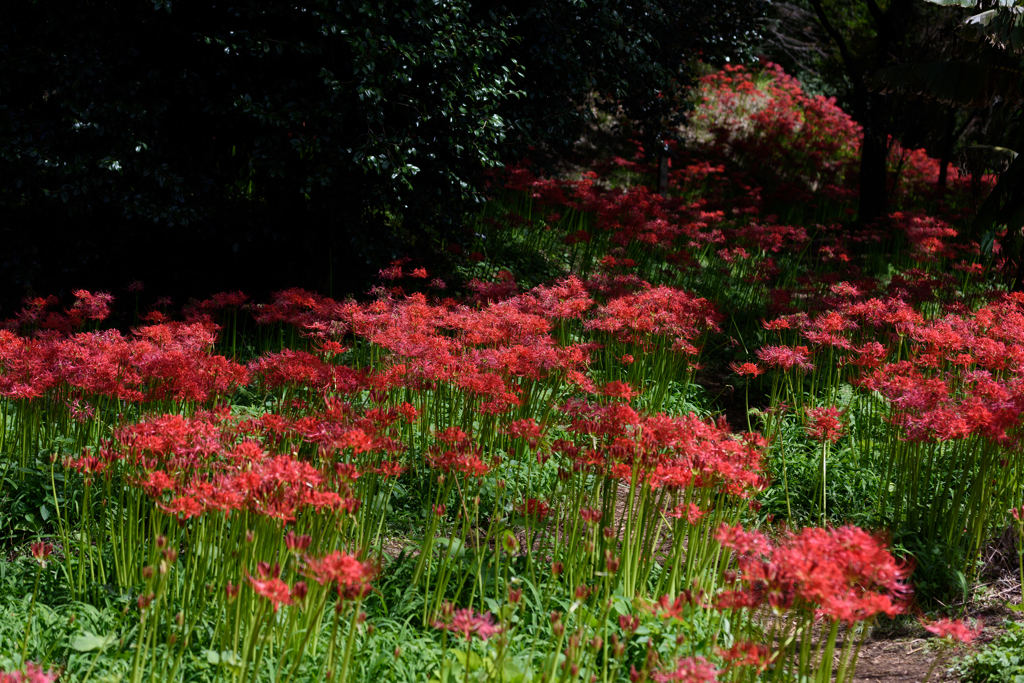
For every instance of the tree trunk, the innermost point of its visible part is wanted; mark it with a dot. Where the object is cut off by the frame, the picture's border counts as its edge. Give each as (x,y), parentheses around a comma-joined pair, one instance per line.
(947,152)
(874,152)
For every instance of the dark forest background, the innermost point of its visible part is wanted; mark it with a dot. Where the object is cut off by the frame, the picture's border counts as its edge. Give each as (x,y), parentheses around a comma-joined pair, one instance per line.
(203,146)
(207,146)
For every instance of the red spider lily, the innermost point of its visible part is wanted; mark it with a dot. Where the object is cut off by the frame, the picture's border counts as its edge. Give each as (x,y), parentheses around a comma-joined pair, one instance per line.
(668,608)
(86,464)
(691,512)
(388,468)
(526,429)
(90,306)
(825,424)
(468,464)
(408,412)
(41,551)
(619,390)
(469,624)
(534,509)
(351,576)
(628,623)
(33,673)
(297,544)
(453,436)
(270,587)
(155,483)
(956,630)
(756,655)
(694,669)
(750,369)
(786,357)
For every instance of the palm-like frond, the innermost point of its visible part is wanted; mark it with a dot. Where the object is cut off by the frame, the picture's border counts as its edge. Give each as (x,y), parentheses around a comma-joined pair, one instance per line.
(967,84)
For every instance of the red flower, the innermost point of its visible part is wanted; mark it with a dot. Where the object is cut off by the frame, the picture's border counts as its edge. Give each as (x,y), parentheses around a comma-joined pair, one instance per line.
(41,551)
(691,512)
(352,576)
(756,655)
(955,630)
(534,509)
(33,674)
(824,424)
(270,586)
(618,390)
(468,623)
(694,669)
(746,369)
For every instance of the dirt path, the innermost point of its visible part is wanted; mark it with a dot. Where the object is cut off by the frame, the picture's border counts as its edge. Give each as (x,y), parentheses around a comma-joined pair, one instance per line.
(897,661)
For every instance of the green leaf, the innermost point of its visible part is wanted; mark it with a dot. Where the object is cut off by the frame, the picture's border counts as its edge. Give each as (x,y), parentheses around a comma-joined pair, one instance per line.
(87,642)
(226,657)
(474,659)
(970,4)
(457,550)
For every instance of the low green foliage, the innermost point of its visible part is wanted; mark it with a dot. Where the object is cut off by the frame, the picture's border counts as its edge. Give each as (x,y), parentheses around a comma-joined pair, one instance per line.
(1001,661)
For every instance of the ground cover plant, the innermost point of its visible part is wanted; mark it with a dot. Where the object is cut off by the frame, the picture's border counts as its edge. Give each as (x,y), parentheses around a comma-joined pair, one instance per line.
(715,435)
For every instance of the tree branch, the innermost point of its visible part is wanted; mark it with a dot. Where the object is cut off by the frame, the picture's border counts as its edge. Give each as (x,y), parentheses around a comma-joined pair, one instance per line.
(837,37)
(877,14)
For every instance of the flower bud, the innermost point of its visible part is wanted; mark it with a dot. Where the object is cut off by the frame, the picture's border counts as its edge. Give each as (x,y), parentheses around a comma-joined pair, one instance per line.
(611,562)
(628,623)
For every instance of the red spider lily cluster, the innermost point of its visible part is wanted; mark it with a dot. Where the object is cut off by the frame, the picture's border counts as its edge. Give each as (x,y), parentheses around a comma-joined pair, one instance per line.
(537,431)
(847,573)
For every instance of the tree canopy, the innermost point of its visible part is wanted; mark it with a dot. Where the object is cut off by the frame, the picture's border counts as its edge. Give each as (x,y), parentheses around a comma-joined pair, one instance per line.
(207,136)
